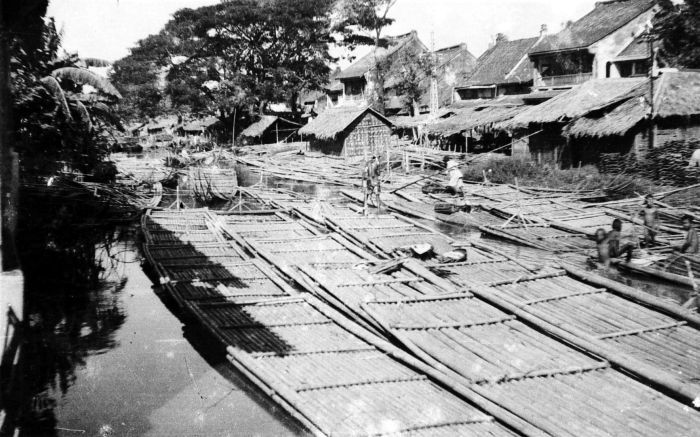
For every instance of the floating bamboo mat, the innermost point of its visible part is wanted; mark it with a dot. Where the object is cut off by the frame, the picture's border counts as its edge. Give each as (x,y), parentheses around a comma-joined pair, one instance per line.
(317,211)
(385,234)
(332,380)
(347,285)
(178,227)
(232,282)
(287,253)
(553,386)
(650,336)
(292,229)
(542,236)
(482,272)
(204,271)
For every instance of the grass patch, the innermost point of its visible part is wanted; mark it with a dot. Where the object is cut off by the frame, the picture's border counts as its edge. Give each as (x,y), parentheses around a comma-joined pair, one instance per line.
(506,171)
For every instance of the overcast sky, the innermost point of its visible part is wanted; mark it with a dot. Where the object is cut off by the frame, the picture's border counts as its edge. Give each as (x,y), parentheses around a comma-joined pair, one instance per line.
(108,28)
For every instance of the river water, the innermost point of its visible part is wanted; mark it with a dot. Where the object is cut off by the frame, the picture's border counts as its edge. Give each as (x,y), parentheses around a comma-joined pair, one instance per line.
(113,359)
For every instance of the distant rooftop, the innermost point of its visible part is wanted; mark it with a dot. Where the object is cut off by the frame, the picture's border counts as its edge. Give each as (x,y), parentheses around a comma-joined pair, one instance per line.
(366,63)
(506,62)
(604,19)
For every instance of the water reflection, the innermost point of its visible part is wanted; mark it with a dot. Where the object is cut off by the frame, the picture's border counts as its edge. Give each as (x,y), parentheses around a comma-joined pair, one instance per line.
(71,307)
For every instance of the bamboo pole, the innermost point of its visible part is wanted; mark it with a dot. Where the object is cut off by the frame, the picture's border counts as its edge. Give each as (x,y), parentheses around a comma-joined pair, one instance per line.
(652,374)
(634,294)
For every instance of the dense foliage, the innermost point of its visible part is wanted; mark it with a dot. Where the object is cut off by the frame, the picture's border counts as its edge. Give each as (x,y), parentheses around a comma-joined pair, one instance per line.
(237,55)
(362,22)
(677,28)
(62,112)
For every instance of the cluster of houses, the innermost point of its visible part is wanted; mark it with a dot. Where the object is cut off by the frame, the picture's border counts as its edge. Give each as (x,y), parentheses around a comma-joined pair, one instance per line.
(564,98)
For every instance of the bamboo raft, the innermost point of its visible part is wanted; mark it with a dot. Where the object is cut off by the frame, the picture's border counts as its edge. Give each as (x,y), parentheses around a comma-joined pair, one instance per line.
(658,341)
(541,236)
(387,235)
(551,385)
(336,382)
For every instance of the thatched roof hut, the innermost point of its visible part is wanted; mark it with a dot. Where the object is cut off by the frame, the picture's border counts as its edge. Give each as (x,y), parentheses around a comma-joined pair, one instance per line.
(676,95)
(270,129)
(474,118)
(576,102)
(348,130)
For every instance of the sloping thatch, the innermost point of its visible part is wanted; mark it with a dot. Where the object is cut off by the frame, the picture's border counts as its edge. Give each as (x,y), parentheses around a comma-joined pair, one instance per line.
(506,62)
(258,128)
(677,94)
(200,125)
(333,121)
(366,63)
(619,121)
(407,122)
(578,101)
(606,18)
(473,118)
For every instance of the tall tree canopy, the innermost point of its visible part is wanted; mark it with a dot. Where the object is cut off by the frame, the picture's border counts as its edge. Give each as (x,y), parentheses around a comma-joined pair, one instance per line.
(677,29)
(362,22)
(239,54)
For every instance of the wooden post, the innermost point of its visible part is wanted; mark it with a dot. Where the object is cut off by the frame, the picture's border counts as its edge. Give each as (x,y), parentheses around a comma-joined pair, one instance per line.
(277,132)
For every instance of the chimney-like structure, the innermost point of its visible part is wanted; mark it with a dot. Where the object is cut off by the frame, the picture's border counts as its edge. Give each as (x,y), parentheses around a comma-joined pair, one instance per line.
(543,30)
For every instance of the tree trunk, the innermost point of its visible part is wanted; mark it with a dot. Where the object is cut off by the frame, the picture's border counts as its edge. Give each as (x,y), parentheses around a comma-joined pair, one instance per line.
(293,103)
(9,169)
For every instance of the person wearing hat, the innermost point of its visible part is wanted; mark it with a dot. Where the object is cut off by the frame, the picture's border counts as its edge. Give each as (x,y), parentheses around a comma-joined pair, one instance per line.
(454,174)
(371,182)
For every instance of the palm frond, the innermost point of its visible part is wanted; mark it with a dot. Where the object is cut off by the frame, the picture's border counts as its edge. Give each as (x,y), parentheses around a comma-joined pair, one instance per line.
(96,62)
(55,89)
(84,113)
(86,77)
(107,114)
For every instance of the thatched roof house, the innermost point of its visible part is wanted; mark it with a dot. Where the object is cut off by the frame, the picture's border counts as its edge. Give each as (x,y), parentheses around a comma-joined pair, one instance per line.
(503,69)
(198,127)
(576,102)
(675,114)
(270,129)
(348,131)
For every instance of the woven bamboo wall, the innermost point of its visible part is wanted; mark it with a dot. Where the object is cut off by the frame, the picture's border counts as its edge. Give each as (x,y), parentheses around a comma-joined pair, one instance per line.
(367,136)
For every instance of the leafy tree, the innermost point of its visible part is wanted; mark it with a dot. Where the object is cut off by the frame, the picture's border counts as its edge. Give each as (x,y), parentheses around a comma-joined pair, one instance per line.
(362,22)
(677,29)
(413,73)
(237,56)
(56,123)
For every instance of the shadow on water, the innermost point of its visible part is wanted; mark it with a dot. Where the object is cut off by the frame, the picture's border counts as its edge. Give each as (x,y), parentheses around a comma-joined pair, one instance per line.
(102,356)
